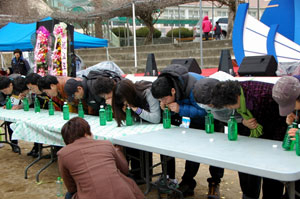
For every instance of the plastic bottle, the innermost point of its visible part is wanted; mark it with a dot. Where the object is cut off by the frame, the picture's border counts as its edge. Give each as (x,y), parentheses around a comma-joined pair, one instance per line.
(50,107)
(166,118)
(209,122)
(232,129)
(109,115)
(287,143)
(66,114)
(129,120)
(80,110)
(59,187)
(8,104)
(102,116)
(298,143)
(25,104)
(37,107)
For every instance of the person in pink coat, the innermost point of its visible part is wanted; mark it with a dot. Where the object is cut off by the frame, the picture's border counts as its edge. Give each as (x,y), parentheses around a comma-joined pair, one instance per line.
(206,26)
(93,169)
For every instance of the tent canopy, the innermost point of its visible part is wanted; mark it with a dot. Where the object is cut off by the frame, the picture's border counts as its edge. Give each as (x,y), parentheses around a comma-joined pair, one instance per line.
(15,35)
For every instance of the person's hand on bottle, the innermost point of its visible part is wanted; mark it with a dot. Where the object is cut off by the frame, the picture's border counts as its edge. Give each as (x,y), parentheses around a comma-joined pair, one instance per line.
(162,105)
(251,123)
(174,107)
(290,118)
(133,108)
(16,107)
(292,133)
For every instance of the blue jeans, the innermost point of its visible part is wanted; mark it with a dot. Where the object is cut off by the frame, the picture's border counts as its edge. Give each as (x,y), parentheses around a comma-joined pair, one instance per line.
(69,195)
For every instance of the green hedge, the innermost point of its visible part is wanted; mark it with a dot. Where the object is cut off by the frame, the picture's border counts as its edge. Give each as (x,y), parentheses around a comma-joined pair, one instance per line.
(121,30)
(144,31)
(184,33)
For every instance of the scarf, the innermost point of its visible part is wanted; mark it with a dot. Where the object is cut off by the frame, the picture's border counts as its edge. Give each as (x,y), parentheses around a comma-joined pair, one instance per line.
(246,114)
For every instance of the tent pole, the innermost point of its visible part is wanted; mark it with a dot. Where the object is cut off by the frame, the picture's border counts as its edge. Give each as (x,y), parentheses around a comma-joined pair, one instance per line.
(134,36)
(107,54)
(201,42)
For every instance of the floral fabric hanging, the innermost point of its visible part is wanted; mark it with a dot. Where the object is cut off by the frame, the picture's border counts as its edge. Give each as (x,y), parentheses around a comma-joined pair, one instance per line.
(41,51)
(59,55)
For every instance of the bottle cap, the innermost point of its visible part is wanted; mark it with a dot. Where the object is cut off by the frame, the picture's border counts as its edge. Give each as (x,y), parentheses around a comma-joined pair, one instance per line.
(58,178)
(65,103)
(101,106)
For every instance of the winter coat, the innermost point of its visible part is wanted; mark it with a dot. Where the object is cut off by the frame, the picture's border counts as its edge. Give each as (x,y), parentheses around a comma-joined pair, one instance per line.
(184,82)
(94,169)
(206,24)
(218,29)
(19,66)
(90,96)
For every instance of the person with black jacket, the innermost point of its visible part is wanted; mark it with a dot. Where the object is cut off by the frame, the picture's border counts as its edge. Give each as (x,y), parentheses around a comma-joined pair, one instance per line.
(86,89)
(19,65)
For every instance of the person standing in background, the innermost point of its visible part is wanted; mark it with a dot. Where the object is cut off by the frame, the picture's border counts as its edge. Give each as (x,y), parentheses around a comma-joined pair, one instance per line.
(206,27)
(19,65)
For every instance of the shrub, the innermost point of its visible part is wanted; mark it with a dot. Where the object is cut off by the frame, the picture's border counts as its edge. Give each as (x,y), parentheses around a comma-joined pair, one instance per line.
(184,33)
(144,31)
(122,31)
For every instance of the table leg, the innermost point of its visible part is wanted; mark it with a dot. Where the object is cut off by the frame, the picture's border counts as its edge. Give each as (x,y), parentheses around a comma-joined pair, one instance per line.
(291,189)
(5,126)
(148,184)
(53,159)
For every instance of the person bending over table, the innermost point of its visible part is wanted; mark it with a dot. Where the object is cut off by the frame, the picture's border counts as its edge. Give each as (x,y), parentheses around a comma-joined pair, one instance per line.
(104,85)
(54,87)
(13,87)
(253,101)
(286,92)
(173,88)
(93,169)
(144,107)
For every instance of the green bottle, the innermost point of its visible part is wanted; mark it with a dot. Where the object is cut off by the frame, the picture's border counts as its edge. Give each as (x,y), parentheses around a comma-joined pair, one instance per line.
(50,107)
(59,187)
(102,116)
(232,129)
(37,107)
(109,115)
(8,104)
(25,104)
(80,110)
(287,143)
(167,118)
(298,143)
(66,114)
(129,120)
(209,122)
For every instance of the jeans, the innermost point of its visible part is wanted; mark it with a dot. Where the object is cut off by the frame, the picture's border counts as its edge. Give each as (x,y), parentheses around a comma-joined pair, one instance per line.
(251,185)
(69,195)
(191,169)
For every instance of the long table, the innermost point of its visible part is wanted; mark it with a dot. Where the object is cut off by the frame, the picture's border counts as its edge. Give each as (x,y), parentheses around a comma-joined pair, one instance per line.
(255,156)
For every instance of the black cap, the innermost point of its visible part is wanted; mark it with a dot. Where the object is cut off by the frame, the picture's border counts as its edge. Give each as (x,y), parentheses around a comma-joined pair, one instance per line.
(71,87)
(203,89)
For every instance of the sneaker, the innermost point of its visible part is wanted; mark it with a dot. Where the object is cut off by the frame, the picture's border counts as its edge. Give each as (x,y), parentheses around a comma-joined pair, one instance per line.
(213,191)
(186,189)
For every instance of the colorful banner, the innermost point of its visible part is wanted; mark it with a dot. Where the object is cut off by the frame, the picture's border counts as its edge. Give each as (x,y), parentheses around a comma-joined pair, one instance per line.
(41,51)
(60,52)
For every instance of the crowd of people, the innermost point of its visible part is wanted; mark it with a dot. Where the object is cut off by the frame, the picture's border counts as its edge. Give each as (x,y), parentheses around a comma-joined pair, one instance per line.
(97,169)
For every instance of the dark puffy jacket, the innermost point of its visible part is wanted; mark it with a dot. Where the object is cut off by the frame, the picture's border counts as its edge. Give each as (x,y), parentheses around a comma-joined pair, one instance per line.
(19,66)
(90,97)
(184,82)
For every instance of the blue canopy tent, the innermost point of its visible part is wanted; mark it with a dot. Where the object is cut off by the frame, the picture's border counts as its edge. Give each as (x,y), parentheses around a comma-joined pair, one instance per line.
(15,35)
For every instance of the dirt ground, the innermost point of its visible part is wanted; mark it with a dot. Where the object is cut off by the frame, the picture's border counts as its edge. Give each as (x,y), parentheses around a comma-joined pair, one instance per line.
(14,186)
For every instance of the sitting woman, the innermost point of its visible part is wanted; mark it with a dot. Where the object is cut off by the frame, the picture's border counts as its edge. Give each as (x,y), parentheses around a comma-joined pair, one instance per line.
(93,169)
(138,97)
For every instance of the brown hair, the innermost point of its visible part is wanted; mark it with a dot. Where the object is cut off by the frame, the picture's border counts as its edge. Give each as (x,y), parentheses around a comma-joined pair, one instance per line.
(74,129)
